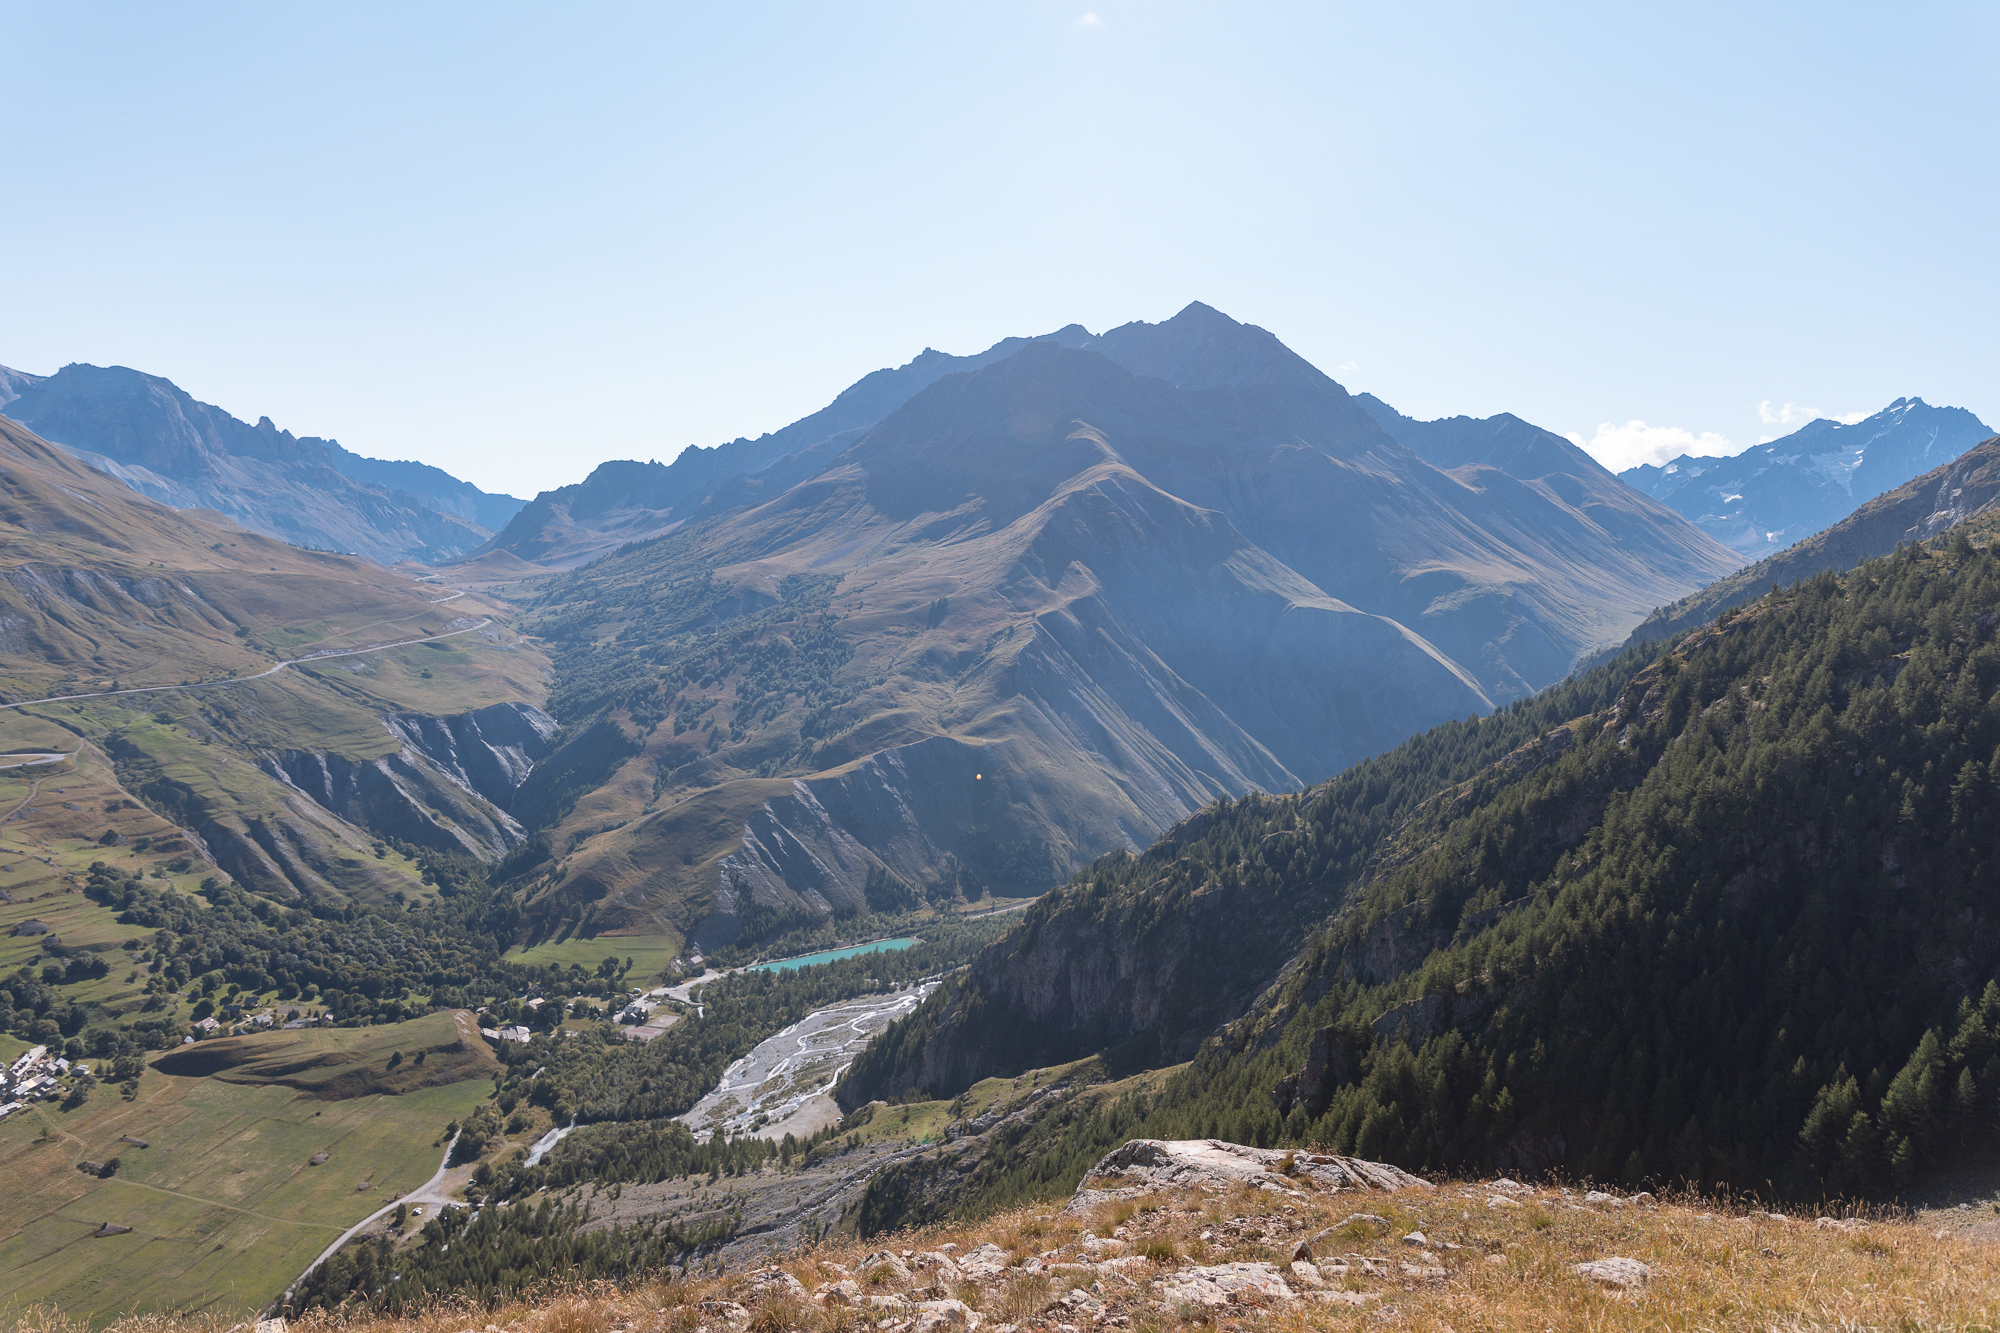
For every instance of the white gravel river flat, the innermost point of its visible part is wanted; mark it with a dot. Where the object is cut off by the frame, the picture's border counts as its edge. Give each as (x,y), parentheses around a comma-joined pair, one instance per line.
(786,1072)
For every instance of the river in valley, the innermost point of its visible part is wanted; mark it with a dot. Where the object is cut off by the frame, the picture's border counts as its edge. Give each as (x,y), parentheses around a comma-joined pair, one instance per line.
(785,1084)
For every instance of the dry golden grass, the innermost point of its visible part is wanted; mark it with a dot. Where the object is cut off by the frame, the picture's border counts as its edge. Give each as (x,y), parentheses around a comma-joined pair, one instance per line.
(1716,1265)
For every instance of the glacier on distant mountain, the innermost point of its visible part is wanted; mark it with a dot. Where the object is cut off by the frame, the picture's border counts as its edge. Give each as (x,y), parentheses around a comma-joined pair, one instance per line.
(1765,498)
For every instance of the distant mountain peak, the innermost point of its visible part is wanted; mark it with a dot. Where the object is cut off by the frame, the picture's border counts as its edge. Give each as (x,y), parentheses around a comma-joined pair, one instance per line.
(1202,348)
(155,437)
(1519,448)
(1782,491)
(1200,312)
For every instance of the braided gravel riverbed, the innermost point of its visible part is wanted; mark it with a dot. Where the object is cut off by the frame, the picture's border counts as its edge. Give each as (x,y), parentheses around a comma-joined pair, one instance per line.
(787,1080)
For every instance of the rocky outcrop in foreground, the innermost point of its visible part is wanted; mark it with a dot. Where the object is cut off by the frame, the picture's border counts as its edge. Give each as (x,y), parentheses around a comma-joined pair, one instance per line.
(1137,1168)
(1172,1234)
(1236,1237)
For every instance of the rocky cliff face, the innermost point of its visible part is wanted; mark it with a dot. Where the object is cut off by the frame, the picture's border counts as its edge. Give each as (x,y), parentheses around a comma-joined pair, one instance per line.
(448,787)
(489,751)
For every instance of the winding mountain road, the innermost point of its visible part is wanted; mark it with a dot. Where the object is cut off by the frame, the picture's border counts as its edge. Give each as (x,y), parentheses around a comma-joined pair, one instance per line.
(31,760)
(307,660)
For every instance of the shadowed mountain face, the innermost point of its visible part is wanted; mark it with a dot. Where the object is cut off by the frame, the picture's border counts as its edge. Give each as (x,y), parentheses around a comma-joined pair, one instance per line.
(1058,602)
(306,491)
(1762,500)
(1505,442)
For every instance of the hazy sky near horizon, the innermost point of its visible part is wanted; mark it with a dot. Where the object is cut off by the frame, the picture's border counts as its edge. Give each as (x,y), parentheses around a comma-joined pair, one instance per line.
(516,241)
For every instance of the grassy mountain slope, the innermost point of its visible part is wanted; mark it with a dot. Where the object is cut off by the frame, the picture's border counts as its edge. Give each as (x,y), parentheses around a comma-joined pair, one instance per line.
(1727,925)
(286,781)
(102,584)
(224,1201)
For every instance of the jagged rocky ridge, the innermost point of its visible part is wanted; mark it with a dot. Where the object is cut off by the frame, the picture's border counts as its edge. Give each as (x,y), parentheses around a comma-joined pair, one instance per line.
(149,434)
(1772,495)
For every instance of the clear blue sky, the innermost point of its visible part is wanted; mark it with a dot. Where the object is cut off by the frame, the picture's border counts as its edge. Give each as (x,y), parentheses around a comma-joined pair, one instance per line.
(514,241)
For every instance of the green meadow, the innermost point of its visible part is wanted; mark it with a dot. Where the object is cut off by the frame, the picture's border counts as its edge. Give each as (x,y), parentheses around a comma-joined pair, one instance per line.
(650,954)
(224,1204)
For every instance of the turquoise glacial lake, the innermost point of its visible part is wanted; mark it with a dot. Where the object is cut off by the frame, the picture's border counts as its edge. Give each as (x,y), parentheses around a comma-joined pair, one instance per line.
(832,955)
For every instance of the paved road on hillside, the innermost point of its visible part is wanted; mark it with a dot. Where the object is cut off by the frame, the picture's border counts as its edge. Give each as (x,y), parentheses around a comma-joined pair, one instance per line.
(238,680)
(999,911)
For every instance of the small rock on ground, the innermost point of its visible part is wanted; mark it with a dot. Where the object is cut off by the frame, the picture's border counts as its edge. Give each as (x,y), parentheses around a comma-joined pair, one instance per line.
(1614,1271)
(1219,1284)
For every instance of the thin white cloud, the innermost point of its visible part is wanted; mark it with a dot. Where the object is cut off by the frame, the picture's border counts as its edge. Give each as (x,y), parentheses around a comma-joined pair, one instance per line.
(1635,443)
(1791,414)
(1090,20)
(1783,416)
